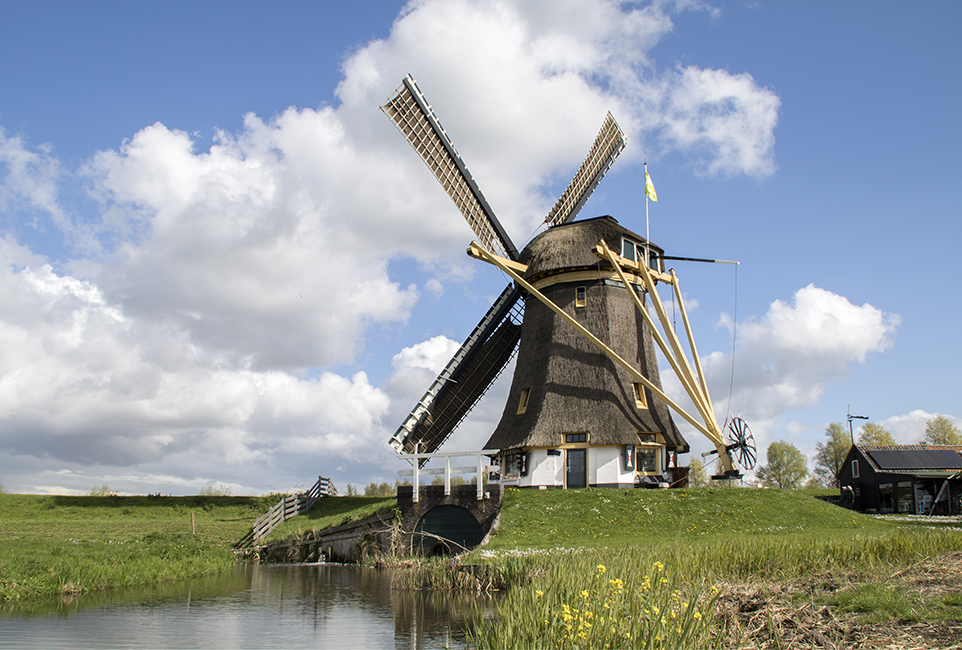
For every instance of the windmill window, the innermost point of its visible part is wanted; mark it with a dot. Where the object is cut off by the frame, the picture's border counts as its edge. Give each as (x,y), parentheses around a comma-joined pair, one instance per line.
(576,437)
(628,250)
(581,298)
(523,402)
(641,400)
(646,460)
(648,437)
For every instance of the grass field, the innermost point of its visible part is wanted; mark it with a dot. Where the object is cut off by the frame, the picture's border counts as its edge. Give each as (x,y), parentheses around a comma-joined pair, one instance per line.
(63,545)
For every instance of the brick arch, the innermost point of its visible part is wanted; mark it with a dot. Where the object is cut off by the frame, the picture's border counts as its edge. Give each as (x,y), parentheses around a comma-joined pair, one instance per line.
(484,511)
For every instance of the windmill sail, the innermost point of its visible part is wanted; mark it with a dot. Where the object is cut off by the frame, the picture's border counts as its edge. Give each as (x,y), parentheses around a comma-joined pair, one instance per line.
(465,379)
(606,148)
(415,119)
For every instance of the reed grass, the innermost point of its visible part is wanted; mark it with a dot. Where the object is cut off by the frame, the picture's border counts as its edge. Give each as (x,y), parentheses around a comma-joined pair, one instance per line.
(584,603)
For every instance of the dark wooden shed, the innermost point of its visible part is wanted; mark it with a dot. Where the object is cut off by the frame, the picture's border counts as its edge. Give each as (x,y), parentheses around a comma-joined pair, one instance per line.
(910,479)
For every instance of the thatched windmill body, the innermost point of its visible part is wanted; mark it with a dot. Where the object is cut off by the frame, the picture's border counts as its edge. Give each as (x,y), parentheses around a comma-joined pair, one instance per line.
(586,405)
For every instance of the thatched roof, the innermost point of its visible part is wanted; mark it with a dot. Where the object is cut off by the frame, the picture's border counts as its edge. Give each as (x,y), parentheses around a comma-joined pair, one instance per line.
(568,247)
(573,386)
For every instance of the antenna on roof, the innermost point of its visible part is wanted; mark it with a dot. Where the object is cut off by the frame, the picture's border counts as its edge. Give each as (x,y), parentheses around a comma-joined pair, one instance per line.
(850,417)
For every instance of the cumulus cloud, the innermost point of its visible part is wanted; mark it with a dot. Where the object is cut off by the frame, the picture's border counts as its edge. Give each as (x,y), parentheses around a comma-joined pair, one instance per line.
(209,301)
(785,358)
(909,429)
(725,121)
(31,179)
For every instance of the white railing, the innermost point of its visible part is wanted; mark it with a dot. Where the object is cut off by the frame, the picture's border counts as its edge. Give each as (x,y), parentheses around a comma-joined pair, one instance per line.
(479,469)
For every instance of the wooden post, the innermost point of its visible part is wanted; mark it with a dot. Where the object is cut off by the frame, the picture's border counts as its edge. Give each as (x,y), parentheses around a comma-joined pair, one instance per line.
(447,476)
(191,522)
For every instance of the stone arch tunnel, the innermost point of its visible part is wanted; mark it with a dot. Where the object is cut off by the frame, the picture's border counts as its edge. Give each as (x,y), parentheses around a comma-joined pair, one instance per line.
(435,520)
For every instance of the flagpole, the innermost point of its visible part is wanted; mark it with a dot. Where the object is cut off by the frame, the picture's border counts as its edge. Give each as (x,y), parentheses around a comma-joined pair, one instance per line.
(647,234)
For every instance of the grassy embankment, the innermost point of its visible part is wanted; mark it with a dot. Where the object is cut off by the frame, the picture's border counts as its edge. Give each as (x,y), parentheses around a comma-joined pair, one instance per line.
(328,513)
(577,557)
(64,545)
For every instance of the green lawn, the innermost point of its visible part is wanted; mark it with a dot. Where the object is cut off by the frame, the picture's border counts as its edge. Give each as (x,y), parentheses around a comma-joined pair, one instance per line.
(597,518)
(52,545)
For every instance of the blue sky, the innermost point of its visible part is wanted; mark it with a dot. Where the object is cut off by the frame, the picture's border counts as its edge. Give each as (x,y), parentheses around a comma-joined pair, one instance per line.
(221,263)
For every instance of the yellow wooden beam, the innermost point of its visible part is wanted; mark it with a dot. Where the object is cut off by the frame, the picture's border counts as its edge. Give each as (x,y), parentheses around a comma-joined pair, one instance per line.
(691,344)
(695,388)
(606,253)
(474,250)
(485,256)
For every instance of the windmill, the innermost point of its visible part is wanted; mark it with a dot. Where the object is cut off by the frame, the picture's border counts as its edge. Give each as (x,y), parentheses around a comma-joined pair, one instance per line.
(578,412)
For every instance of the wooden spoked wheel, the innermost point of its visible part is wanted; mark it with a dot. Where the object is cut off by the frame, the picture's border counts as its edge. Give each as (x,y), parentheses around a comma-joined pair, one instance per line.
(741,443)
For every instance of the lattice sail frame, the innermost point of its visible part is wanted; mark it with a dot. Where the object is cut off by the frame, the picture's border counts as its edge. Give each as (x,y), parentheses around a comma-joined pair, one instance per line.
(448,400)
(414,118)
(606,148)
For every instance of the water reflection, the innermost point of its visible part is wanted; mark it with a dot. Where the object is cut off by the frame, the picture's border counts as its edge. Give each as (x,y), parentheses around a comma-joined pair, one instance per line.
(265,606)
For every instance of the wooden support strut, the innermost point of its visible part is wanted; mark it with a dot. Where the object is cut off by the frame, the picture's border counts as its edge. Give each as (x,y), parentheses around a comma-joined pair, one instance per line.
(476,251)
(697,389)
(675,360)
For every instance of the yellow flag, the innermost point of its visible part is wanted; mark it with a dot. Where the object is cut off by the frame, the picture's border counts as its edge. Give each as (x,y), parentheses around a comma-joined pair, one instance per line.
(650,188)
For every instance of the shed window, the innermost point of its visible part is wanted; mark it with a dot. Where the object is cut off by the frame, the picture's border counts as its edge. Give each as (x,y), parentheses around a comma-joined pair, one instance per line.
(523,402)
(641,400)
(855,469)
(581,297)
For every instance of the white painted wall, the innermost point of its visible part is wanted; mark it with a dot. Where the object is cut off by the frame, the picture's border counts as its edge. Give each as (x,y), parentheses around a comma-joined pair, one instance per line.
(605,465)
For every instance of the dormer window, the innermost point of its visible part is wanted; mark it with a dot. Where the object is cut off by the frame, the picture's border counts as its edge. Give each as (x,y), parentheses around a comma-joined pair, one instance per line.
(581,297)
(628,250)
(523,402)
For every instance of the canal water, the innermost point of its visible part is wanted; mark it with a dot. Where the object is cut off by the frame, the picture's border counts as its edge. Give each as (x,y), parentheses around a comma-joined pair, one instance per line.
(258,606)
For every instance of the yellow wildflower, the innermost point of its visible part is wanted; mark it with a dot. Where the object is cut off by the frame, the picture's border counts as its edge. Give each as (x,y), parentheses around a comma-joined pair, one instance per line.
(538,593)
(601,568)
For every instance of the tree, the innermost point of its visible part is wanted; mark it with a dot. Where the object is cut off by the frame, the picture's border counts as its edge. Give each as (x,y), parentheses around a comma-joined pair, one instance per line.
(786,467)
(351,490)
(219,490)
(830,455)
(940,430)
(101,491)
(697,476)
(875,435)
(379,490)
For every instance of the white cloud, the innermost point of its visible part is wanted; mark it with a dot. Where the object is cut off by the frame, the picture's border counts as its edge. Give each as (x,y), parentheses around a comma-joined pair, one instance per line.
(785,359)
(200,322)
(725,121)
(31,179)
(909,429)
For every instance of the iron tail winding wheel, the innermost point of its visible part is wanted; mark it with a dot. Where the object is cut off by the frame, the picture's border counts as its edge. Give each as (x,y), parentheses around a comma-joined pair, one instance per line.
(741,443)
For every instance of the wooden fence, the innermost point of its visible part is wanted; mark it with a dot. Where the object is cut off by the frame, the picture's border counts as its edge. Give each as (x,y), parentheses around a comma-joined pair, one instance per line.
(291,506)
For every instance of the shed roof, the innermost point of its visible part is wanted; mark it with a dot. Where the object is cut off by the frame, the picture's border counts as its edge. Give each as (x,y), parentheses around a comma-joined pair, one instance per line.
(913,459)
